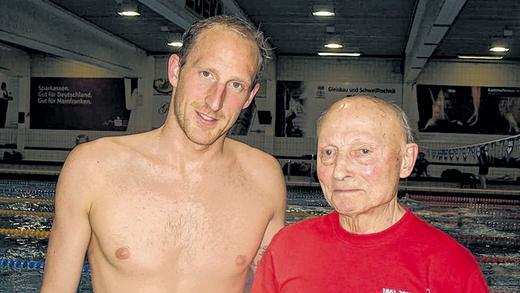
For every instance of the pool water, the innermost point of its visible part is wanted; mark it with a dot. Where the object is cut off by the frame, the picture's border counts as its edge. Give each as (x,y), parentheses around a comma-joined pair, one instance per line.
(491,232)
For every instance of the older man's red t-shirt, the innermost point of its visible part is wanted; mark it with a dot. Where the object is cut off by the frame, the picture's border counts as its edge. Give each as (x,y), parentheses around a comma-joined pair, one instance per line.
(318,255)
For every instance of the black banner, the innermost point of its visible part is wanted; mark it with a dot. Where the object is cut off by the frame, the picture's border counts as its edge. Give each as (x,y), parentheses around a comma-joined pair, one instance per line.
(79,103)
(468,109)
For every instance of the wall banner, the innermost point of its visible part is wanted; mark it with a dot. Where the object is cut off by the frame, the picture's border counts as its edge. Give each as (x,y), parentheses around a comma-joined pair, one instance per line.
(8,101)
(80,103)
(468,109)
(299,104)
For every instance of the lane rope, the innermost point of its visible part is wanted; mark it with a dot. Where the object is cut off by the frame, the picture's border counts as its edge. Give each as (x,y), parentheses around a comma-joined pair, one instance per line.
(27,213)
(42,201)
(32,233)
(29,264)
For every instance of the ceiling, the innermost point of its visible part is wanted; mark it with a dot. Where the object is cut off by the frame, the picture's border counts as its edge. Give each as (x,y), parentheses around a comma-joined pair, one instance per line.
(413,30)
(373,27)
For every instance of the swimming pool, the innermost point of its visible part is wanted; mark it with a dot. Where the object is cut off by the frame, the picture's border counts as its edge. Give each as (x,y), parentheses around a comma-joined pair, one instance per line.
(490,228)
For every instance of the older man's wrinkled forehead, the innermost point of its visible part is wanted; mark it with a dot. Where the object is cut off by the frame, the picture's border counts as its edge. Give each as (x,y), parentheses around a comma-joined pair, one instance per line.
(364,107)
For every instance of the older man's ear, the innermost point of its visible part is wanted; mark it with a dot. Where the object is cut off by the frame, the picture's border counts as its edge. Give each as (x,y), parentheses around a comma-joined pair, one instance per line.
(409,156)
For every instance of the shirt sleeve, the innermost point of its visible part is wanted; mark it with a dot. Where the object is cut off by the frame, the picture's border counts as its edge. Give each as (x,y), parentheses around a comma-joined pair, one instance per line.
(265,278)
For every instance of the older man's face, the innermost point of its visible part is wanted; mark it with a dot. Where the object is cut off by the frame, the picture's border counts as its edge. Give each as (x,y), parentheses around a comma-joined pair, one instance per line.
(362,153)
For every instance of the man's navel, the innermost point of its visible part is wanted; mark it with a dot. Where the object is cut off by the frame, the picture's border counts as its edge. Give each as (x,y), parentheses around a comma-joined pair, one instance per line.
(122,253)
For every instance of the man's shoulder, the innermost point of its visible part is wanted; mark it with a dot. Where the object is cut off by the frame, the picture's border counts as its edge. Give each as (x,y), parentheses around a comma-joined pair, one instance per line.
(101,154)
(108,148)
(253,159)
(246,151)
(96,150)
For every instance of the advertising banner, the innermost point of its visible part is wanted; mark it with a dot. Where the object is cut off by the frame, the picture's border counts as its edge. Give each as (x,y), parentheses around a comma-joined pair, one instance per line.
(299,104)
(468,109)
(8,101)
(80,103)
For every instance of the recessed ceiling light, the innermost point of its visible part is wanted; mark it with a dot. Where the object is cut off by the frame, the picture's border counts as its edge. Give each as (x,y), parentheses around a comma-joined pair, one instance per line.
(339,54)
(129,13)
(333,46)
(480,57)
(128,8)
(176,44)
(499,49)
(324,13)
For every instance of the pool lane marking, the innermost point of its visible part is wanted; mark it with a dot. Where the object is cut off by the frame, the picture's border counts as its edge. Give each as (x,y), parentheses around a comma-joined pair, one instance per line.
(33,233)
(27,213)
(27,200)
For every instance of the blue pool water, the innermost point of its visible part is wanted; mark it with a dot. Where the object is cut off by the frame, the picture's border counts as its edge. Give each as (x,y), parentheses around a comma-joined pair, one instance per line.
(490,232)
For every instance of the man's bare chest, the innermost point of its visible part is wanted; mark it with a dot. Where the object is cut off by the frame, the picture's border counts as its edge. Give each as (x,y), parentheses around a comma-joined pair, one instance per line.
(193,228)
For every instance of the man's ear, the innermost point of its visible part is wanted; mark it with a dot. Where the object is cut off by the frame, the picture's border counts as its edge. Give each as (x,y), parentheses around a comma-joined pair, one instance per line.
(251,95)
(174,67)
(408,161)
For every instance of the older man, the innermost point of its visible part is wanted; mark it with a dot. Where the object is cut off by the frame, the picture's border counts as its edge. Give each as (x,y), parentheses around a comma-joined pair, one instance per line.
(370,243)
(181,208)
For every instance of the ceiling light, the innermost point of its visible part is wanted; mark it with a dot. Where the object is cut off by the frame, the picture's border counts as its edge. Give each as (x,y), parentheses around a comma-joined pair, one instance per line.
(333,46)
(480,57)
(176,44)
(323,10)
(339,54)
(129,13)
(499,49)
(174,39)
(128,8)
(323,13)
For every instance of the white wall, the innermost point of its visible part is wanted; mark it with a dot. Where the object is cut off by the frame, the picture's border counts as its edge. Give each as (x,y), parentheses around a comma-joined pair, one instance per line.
(354,70)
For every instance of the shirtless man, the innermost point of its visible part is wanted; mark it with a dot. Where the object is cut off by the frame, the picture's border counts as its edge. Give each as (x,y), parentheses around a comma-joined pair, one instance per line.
(182,208)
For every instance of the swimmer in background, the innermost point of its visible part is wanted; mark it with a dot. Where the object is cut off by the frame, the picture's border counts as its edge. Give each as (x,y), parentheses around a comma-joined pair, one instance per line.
(181,208)
(421,166)
(483,167)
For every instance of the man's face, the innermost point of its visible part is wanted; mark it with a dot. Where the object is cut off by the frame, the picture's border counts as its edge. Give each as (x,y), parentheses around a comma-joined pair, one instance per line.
(362,153)
(214,84)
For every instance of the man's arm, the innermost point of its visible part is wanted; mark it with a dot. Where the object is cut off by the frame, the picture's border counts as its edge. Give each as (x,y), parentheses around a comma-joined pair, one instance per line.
(265,279)
(70,234)
(278,200)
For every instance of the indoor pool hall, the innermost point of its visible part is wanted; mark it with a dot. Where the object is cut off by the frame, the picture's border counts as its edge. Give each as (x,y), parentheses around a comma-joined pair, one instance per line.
(274,146)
